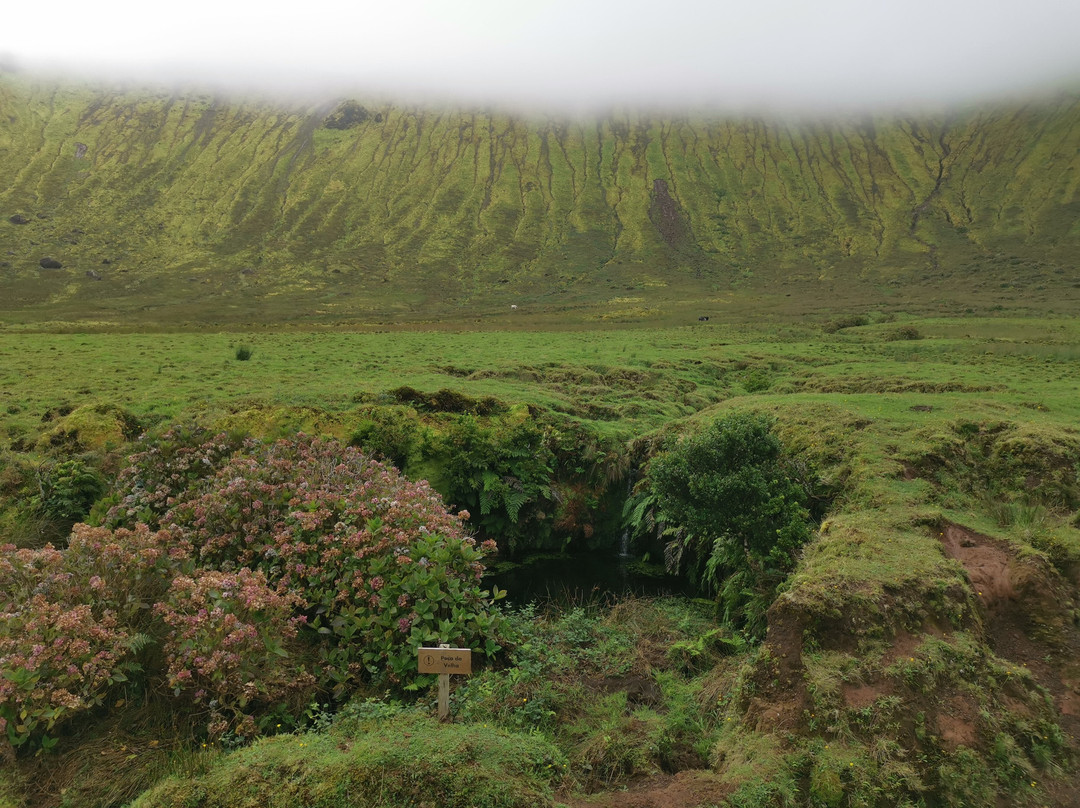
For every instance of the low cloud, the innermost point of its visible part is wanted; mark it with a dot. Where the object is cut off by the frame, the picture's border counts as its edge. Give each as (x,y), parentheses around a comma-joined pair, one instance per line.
(777,54)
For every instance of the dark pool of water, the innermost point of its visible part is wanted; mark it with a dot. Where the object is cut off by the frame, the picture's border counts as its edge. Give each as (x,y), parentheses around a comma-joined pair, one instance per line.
(581,579)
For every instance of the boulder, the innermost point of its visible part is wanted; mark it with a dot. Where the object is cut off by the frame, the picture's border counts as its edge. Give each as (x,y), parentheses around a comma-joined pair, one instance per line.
(18,218)
(50,263)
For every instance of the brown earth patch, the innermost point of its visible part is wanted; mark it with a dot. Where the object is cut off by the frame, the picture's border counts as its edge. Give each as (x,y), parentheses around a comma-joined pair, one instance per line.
(780,680)
(858,696)
(957,722)
(640,690)
(689,789)
(1069,704)
(904,645)
(987,563)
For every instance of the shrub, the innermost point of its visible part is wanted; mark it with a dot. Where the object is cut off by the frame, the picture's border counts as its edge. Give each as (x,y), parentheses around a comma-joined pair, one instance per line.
(738,518)
(504,473)
(848,321)
(285,568)
(904,332)
(72,622)
(243,353)
(57,660)
(379,564)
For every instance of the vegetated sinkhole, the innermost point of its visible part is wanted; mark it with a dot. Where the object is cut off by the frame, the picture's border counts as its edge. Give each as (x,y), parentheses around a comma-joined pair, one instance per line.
(726,509)
(582,578)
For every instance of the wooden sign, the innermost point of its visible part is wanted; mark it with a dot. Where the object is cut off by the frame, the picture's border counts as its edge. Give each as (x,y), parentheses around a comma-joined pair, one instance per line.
(445,660)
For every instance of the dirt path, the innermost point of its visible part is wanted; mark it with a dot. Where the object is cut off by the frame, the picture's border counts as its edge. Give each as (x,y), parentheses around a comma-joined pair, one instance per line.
(687,789)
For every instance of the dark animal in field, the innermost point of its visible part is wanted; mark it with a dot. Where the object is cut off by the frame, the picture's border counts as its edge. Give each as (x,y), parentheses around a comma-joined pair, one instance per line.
(703,319)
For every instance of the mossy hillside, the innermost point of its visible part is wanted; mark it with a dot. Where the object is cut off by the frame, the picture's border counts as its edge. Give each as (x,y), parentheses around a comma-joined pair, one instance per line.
(212,209)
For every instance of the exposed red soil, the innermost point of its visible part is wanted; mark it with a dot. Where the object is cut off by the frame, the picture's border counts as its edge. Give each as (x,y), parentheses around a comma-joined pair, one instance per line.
(858,696)
(1026,612)
(782,700)
(957,722)
(987,563)
(904,645)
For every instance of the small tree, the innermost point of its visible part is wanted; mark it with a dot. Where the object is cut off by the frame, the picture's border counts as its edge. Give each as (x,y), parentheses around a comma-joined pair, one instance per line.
(738,517)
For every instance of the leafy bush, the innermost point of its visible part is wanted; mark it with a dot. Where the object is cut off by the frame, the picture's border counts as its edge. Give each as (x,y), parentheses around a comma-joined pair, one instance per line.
(904,332)
(227,645)
(504,473)
(243,353)
(72,622)
(57,660)
(286,569)
(737,517)
(848,321)
(379,564)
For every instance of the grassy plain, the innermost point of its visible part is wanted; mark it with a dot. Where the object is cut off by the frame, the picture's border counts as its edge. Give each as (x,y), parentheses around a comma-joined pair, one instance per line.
(624,381)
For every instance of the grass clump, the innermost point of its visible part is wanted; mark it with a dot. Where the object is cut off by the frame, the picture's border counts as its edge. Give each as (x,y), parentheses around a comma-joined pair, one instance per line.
(603,687)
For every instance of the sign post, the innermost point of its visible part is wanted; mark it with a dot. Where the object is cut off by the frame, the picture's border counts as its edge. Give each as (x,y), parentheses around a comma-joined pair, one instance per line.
(444,660)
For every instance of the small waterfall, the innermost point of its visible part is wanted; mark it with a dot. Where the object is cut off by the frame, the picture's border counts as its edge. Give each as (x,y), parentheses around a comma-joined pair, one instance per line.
(624,540)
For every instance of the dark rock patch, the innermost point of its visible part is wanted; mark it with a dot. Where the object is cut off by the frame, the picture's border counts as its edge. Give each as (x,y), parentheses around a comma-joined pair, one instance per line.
(18,218)
(50,263)
(80,151)
(346,116)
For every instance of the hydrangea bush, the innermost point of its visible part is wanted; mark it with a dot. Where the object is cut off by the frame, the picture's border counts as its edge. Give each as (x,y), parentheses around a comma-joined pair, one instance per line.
(263,574)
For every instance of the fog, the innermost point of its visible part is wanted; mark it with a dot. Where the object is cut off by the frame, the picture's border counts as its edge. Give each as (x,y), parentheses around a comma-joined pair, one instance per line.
(568,54)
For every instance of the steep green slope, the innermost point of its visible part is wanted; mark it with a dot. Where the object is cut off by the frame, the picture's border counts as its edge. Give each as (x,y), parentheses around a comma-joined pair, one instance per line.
(195,207)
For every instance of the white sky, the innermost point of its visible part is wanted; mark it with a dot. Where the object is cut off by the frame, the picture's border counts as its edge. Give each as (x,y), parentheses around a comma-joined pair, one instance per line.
(568,53)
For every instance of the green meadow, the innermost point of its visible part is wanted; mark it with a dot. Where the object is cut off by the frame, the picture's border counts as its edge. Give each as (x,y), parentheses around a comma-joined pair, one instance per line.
(623,382)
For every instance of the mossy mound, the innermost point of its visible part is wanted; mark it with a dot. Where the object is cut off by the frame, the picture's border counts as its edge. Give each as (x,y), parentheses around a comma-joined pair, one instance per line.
(407,760)
(90,428)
